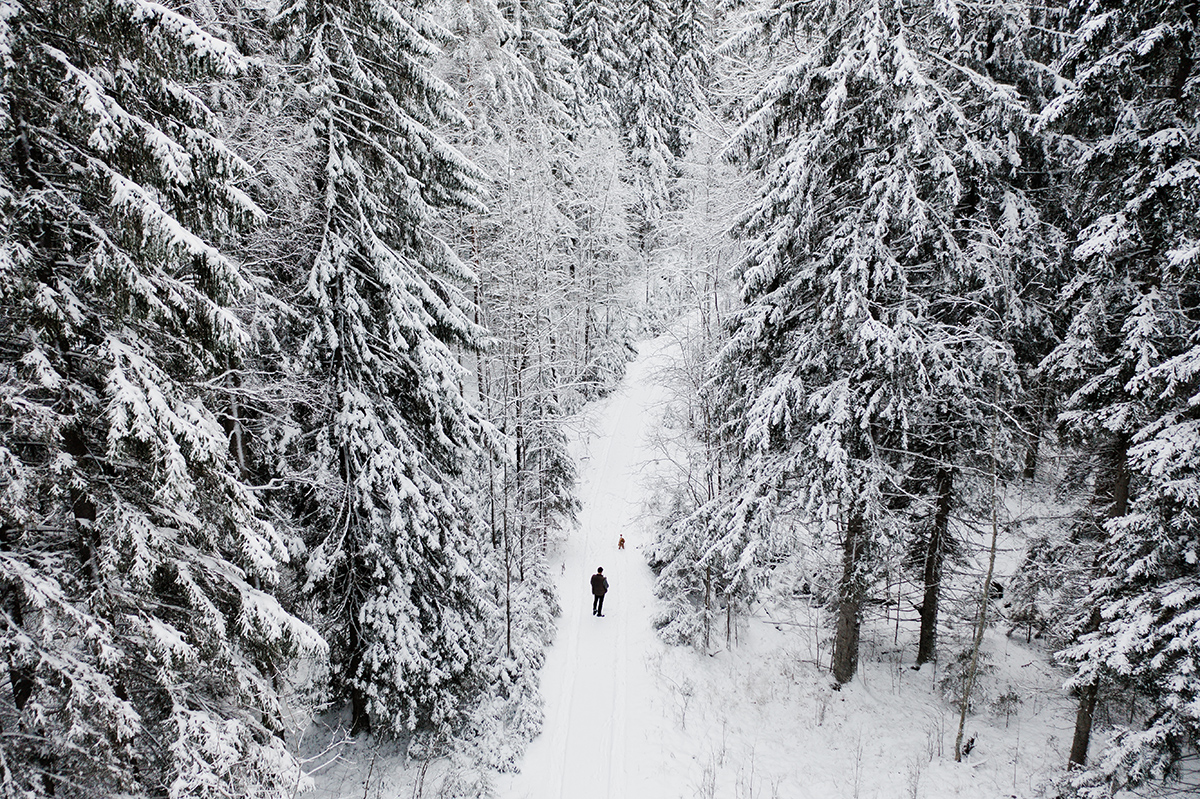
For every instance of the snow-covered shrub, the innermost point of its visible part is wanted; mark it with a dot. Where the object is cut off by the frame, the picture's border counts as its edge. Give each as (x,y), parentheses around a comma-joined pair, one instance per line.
(1006,704)
(606,366)
(463,779)
(953,679)
(1044,595)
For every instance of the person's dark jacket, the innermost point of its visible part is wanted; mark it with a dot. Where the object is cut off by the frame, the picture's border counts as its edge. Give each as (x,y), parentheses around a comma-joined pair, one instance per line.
(599,585)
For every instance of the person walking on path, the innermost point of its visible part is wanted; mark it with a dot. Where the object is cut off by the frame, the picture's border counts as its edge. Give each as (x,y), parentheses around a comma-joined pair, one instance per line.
(599,589)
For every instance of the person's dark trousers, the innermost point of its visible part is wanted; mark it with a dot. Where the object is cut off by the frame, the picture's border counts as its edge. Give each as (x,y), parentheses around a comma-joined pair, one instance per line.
(598,605)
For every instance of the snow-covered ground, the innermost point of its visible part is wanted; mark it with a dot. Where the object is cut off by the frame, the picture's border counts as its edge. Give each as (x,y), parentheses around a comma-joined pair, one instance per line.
(628,717)
(604,734)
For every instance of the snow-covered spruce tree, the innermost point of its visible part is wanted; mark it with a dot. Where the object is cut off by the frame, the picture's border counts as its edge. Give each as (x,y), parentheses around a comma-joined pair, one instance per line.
(142,643)
(697,581)
(395,568)
(273,395)
(519,134)
(527,298)
(1127,122)
(690,38)
(596,200)
(591,34)
(538,37)
(509,58)
(1004,302)
(594,174)
(879,297)
(554,232)
(648,111)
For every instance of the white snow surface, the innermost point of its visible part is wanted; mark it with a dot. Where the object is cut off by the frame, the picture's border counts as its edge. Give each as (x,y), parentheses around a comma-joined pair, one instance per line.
(628,717)
(599,741)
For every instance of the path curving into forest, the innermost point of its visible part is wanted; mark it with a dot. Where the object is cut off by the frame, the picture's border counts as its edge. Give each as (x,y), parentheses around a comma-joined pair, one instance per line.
(600,739)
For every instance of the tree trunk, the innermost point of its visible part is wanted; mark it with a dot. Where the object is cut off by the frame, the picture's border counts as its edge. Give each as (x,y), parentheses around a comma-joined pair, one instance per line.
(1031,455)
(1120,492)
(21,678)
(507,599)
(729,621)
(707,605)
(849,621)
(980,628)
(508,559)
(1088,695)
(520,472)
(1033,443)
(360,717)
(935,554)
(1113,490)
(236,429)
(985,598)
(1083,725)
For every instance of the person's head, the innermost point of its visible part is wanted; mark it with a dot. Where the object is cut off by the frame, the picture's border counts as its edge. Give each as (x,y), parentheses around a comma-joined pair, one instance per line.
(599,570)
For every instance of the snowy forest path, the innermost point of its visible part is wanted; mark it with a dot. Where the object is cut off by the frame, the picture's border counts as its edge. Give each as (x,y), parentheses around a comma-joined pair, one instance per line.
(598,740)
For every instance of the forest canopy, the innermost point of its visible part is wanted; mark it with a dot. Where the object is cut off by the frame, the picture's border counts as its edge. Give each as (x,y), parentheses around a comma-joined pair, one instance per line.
(297,300)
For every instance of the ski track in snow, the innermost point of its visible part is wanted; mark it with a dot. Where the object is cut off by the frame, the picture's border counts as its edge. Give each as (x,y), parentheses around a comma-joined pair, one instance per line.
(597,742)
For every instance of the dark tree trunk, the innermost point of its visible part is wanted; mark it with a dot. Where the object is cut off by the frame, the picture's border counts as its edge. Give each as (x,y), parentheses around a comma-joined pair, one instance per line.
(521,466)
(360,717)
(1120,491)
(1031,455)
(1088,695)
(20,677)
(707,605)
(1038,411)
(1112,490)
(849,621)
(935,553)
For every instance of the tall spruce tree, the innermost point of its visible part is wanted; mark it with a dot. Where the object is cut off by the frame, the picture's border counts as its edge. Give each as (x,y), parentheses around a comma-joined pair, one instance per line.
(1127,123)
(880,298)
(648,115)
(395,569)
(691,71)
(509,58)
(592,34)
(143,648)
